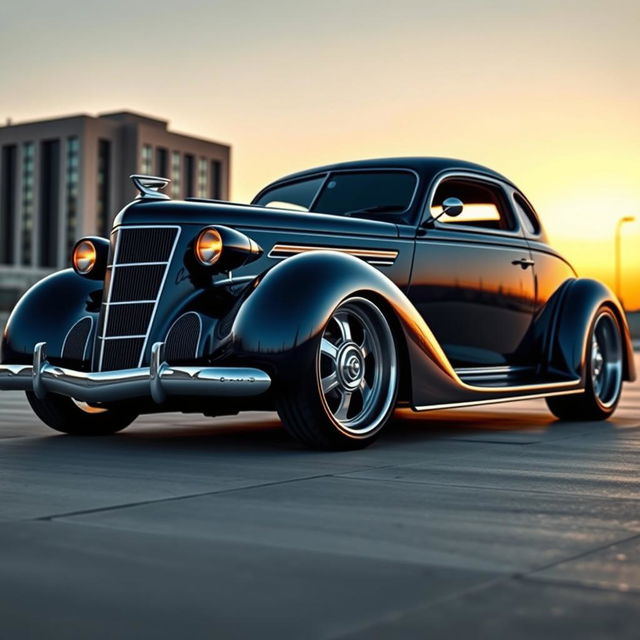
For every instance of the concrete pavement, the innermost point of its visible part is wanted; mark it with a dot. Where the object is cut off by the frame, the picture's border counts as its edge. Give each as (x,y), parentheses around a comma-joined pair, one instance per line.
(497,522)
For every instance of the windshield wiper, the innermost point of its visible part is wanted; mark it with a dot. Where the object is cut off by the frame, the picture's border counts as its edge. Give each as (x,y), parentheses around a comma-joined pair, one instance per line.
(380,208)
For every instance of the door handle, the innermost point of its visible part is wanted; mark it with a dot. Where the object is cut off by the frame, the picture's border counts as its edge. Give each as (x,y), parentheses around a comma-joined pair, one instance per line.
(524,262)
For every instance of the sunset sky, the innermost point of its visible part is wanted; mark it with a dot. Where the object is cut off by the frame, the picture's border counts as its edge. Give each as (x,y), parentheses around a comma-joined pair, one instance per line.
(547,93)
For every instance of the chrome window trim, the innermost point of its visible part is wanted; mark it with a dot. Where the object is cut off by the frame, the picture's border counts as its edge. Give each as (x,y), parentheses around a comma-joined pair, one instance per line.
(534,236)
(114,266)
(331,172)
(480,177)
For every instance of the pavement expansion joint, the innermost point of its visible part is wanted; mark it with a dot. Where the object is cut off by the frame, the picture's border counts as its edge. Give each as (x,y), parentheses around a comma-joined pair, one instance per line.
(481,487)
(578,584)
(141,503)
(583,554)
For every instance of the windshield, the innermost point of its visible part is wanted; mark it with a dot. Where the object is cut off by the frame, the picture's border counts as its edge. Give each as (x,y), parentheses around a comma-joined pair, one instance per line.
(345,193)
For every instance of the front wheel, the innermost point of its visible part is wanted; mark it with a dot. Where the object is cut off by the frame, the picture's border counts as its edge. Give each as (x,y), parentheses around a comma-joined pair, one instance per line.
(77,418)
(349,392)
(603,384)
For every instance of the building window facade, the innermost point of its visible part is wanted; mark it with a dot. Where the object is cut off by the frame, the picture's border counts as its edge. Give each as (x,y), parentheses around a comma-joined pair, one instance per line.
(189,171)
(49,203)
(203,182)
(103,204)
(72,185)
(26,235)
(175,174)
(161,162)
(146,160)
(8,204)
(216,179)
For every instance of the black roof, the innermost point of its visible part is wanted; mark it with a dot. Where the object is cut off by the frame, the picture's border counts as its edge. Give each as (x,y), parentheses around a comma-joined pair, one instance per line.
(425,167)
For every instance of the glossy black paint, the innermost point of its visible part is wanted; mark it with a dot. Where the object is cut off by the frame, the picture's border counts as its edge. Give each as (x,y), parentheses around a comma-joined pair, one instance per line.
(47,312)
(454,296)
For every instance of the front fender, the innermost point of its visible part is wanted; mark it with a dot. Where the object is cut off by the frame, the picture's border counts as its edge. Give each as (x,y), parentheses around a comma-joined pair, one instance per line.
(580,303)
(46,312)
(289,306)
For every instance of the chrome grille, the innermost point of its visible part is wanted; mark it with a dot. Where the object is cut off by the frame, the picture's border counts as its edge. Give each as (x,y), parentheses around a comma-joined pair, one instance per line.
(138,268)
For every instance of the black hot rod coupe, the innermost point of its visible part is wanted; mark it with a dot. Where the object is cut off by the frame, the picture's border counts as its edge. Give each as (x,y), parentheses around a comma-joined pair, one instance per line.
(338,294)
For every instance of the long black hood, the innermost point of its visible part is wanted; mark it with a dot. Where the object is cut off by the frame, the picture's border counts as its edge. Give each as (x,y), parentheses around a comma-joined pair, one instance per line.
(158,212)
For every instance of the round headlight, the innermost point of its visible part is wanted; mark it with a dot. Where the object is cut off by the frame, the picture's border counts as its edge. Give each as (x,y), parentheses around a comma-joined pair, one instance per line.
(84,257)
(208,247)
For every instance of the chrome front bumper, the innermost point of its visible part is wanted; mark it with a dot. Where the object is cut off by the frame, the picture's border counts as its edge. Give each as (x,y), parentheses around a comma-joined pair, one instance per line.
(158,381)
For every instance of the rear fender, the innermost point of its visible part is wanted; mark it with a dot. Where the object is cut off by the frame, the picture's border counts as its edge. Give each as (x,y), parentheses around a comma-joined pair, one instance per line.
(580,303)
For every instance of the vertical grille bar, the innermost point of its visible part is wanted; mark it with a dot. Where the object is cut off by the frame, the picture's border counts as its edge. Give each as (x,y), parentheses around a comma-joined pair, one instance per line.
(140,261)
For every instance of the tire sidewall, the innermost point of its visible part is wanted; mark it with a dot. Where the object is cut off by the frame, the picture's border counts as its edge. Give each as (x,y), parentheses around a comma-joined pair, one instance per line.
(605,409)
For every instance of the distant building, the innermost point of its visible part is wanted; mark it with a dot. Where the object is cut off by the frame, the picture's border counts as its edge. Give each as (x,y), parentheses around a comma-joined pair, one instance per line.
(64,178)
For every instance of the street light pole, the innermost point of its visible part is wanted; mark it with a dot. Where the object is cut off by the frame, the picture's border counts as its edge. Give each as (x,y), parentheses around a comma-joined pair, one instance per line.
(618,255)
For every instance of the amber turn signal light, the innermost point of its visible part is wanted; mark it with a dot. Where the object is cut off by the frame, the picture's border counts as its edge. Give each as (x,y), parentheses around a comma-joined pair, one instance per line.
(84,257)
(208,248)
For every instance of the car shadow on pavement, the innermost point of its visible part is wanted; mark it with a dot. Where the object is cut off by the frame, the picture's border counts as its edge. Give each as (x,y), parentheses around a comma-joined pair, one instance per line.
(263,433)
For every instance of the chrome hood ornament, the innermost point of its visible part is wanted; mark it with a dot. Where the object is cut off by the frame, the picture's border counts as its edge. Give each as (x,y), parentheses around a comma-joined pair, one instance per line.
(150,186)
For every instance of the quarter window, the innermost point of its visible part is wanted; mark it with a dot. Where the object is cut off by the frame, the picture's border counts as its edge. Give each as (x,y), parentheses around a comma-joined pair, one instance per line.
(485,206)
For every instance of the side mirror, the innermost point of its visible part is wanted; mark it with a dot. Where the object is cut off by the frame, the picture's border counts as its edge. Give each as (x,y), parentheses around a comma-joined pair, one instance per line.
(451,207)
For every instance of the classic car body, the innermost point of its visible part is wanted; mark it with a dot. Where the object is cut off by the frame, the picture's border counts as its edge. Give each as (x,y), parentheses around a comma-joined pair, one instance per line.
(441,311)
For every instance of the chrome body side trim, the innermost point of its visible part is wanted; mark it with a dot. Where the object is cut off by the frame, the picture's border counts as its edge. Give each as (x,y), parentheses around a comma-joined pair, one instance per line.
(372,256)
(473,403)
(158,381)
(491,371)
(230,281)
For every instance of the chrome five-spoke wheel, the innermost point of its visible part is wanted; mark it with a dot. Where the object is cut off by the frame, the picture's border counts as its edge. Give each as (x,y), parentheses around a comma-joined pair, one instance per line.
(353,392)
(357,367)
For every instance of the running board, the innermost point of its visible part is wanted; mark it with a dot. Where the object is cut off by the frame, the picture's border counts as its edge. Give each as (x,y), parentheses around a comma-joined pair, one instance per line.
(503,378)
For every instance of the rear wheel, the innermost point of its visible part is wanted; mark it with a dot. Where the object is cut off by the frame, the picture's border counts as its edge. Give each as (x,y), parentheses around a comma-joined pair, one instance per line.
(77,418)
(350,391)
(603,375)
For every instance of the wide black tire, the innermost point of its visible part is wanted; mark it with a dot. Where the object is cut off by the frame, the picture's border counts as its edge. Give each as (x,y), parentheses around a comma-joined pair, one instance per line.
(64,415)
(604,365)
(347,382)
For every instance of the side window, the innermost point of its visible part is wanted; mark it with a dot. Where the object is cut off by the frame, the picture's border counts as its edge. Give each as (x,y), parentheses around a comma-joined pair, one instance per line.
(485,205)
(527,214)
(296,196)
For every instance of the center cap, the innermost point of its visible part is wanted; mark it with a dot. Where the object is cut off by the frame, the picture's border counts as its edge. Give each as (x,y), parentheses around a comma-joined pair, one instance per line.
(350,366)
